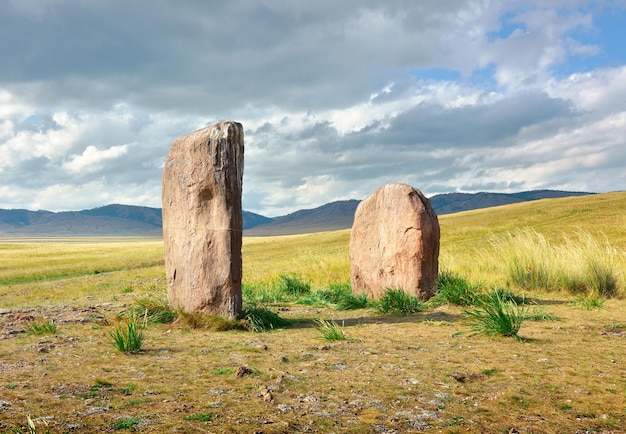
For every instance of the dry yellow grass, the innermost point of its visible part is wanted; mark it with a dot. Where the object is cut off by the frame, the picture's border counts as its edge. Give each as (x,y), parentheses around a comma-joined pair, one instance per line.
(320,258)
(410,373)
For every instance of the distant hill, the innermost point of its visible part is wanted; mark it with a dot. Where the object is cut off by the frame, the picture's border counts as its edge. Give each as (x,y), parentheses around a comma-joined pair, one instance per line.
(137,220)
(144,214)
(340,215)
(330,217)
(107,220)
(251,220)
(450,203)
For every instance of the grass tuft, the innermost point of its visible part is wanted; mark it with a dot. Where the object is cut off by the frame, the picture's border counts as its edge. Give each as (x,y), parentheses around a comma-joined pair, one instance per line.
(224,371)
(293,285)
(338,295)
(492,315)
(202,417)
(260,319)
(38,327)
(127,335)
(397,301)
(335,292)
(588,301)
(455,290)
(353,302)
(155,310)
(261,293)
(330,330)
(128,390)
(126,423)
(601,278)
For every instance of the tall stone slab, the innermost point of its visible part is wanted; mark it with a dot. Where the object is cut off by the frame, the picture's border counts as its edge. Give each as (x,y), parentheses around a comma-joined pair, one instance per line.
(202,220)
(394,243)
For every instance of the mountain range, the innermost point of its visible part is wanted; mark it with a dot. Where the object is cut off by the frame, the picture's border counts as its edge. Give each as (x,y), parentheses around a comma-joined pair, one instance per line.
(125,220)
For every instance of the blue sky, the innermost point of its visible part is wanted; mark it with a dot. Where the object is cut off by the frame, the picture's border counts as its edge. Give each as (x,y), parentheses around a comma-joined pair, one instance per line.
(336,98)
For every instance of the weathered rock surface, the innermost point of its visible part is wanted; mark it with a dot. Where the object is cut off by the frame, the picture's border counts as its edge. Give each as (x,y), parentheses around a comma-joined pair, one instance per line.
(394,243)
(202,220)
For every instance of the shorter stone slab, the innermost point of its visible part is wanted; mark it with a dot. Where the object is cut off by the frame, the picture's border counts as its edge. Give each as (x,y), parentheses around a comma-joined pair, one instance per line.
(394,243)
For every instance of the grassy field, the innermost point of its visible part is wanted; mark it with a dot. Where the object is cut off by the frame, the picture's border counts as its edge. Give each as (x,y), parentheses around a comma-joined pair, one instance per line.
(419,372)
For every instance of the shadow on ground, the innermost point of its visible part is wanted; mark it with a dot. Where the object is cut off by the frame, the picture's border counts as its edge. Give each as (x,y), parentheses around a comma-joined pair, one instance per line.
(381,319)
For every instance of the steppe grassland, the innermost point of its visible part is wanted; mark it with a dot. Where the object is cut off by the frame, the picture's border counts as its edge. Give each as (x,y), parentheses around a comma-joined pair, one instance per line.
(477,244)
(408,373)
(35,272)
(320,258)
(471,244)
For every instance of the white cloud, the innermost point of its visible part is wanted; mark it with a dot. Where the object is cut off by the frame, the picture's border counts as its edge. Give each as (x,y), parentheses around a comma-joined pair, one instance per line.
(93,159)
(602,90)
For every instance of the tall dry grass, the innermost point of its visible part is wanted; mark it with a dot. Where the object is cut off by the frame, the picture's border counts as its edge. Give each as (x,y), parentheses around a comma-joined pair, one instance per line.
(579,265)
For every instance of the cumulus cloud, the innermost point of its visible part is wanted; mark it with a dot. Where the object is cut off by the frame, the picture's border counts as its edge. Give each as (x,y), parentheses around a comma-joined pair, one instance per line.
(336,98)
(93,159)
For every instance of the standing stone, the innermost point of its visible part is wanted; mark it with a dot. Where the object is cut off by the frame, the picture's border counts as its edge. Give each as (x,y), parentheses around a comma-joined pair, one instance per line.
(394,243)
(202,220)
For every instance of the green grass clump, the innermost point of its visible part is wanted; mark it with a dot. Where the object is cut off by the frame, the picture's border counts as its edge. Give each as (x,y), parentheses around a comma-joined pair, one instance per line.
(128,390)
(588,301)
(126,423)
(322,297)
(41,326)
(260,319)
(127,335)
(224,371)
(489,371)
(155,310)
(455,290)
(202,417)
(338,295)
(293,285)
(342,297)
(312,299)
(353,301)
(263,294)
(397,301)
(493,315)
(335,292)
(330,330)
